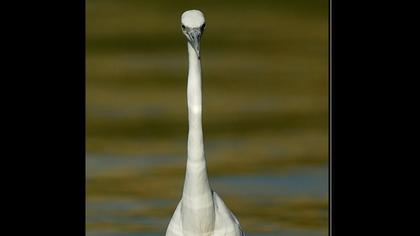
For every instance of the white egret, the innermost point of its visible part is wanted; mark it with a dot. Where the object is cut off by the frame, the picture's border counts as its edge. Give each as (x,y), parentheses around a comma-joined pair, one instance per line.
(200,211)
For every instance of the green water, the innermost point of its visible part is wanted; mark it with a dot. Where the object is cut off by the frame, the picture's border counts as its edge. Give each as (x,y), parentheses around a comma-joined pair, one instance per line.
(265,113)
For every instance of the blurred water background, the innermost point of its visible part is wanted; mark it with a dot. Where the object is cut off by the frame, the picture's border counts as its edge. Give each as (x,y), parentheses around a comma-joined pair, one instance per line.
(265,113)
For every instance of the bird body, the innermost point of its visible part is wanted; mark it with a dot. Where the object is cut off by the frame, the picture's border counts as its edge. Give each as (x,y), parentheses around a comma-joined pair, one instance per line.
(200,212)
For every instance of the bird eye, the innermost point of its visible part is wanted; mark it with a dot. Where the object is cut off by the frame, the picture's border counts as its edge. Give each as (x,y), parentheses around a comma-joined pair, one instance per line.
(183,26)
(203,26)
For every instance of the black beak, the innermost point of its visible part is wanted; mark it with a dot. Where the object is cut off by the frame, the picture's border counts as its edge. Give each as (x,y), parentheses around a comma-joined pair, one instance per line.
(194,36)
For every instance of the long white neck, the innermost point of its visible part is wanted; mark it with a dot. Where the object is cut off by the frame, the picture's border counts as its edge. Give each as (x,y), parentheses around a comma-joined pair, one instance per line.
(196,186)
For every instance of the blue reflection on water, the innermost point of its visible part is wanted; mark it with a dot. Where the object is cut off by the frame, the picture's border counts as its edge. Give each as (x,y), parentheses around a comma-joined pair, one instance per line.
(312,182)
(297,182)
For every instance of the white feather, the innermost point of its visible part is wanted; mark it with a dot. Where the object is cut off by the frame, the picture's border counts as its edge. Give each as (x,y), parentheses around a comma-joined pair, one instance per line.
(201,212)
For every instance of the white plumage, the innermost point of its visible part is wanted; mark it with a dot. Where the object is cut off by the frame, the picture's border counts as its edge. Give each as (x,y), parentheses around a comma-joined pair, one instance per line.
(201,212)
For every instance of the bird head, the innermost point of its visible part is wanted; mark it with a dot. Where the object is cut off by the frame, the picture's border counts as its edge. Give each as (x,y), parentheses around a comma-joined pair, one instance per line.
(193,24)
